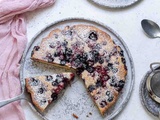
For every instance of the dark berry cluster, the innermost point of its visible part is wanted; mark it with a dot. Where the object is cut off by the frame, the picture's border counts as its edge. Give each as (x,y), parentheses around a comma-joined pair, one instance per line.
(49,57)
(118,85)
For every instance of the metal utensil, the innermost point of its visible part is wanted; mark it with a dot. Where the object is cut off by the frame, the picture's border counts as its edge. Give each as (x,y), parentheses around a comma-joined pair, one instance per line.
(23,96)
(153,84)
(150,28)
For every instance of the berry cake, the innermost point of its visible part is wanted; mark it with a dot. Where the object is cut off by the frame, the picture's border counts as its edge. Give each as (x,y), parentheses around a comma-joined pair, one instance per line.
(45,89)
(94,56)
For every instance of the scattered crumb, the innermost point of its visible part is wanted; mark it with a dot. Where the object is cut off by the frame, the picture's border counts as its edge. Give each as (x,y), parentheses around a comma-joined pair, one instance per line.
(90,113)
(87,116)
(75,116)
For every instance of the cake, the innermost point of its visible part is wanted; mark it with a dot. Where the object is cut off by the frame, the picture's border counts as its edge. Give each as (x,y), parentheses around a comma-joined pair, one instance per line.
(94,56)
(45,89)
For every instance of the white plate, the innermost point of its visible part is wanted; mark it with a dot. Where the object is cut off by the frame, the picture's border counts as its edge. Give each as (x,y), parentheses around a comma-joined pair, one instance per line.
(115,3)
(76,99)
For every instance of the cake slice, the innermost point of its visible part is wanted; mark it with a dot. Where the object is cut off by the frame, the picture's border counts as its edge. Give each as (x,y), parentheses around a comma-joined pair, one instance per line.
(46,89)
(93,54)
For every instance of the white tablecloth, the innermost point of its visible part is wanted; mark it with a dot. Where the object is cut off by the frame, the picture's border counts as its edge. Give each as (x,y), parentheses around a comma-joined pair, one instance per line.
(126,22)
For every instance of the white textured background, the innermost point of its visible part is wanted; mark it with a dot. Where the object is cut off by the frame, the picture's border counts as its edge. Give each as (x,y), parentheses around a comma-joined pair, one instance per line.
(126,22)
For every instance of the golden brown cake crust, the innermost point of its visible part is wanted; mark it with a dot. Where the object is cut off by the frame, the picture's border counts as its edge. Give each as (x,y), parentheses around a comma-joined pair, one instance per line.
(93,54)
(46,88)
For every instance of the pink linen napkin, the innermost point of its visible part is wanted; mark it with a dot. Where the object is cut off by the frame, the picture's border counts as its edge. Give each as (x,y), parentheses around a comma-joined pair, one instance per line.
(12,43)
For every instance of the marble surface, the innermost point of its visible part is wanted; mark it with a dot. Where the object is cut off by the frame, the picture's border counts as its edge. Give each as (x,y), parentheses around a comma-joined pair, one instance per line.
(126,22)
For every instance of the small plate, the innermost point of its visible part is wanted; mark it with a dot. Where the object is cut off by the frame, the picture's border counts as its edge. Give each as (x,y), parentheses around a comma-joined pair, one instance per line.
(115,3)
(76,99)
(149,104)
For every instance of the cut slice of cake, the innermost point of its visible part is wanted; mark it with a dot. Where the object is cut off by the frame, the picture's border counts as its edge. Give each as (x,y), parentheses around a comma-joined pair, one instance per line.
(45,89)
(94,56)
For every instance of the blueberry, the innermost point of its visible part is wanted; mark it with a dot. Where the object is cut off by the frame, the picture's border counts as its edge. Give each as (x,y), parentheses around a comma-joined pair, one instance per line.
(106,77)
(125,67)
(79,70)
(115,70)
(48,55)
(43,101)
(78,56)
(91,88)
(121,53)
(90,62)
(68,51)
(110,98)
(85,56)
(32,53)
(114,51)
(110,65)
(68,32)
(54,96)
(67,58)
(93,36)
(64,43)
(123,60)
(90,69)
(34,82)
(61,57)
(95,98)
(55,83)
(106,68)
(121,84)
(41,90)
(103,103)
(52,45)
(98,83)
(59,76)
(113,81)
(108,93)
(56,54)
(50,60)
(49,77)
(101,60)
(77,63)
(63,62)
(97,46)
(84,65)
(36,48)
(118,85)
(95,53)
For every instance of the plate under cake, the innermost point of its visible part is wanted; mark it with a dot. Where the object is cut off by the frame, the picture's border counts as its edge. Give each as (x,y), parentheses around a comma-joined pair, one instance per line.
(45,89)
(94,56)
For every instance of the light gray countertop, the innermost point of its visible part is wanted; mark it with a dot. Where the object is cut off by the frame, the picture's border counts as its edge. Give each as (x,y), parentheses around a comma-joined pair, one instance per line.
(126,22)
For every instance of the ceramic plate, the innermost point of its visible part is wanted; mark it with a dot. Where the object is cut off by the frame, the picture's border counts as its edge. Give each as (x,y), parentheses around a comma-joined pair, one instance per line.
(115,3)
(76,99)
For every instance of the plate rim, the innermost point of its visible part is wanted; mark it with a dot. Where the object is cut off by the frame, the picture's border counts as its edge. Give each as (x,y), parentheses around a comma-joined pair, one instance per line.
(115,6)
(118,111)
(141,89)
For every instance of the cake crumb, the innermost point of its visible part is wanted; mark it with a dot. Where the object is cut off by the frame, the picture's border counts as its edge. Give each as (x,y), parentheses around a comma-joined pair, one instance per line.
(87,116)
(90,113)
(75,116)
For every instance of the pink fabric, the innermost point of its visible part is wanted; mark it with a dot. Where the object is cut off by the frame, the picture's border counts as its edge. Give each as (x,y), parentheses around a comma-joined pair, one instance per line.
(12,43)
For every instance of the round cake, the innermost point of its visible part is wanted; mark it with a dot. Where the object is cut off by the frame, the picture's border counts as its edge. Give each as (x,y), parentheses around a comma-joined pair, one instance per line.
(94,56)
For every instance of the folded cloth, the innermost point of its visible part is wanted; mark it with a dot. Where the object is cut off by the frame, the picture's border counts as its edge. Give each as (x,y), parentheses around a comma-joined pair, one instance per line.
(12,43)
